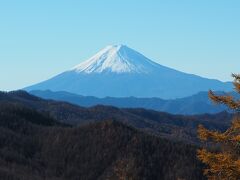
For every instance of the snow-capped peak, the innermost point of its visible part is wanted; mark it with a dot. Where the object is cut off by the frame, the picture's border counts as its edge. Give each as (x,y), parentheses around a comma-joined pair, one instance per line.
(116,59)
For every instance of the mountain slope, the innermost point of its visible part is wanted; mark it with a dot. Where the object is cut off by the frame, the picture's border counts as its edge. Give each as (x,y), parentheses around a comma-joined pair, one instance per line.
(195,104)
(119,71)
(176,127)
(44,149)
(117,59)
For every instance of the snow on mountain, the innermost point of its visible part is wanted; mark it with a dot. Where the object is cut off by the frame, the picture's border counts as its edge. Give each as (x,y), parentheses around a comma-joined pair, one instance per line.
(119,71)
(117,59)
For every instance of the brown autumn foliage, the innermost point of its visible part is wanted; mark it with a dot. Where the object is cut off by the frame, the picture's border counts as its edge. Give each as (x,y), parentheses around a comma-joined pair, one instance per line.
(224,163)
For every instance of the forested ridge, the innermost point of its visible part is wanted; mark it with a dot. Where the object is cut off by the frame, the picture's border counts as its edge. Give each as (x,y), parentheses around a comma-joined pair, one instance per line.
(174,127)
(35,146)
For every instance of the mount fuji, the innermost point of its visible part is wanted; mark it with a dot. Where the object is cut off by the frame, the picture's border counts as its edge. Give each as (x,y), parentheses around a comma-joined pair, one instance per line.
(119,71)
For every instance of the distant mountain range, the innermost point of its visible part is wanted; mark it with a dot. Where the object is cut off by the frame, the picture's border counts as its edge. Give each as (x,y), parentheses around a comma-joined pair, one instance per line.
(175,127)
(119,71)
(196,104)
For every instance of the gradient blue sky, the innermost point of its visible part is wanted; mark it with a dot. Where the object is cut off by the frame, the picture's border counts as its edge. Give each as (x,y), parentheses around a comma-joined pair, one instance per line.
(39,39)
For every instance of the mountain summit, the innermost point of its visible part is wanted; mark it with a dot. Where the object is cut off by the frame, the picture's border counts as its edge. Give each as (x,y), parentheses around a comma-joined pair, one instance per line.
(120,71)
(117,59)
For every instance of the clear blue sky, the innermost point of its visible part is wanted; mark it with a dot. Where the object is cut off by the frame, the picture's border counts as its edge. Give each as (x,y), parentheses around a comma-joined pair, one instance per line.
(39,39)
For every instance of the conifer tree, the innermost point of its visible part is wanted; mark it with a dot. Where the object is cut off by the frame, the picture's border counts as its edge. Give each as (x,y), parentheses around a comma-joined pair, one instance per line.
(223,163)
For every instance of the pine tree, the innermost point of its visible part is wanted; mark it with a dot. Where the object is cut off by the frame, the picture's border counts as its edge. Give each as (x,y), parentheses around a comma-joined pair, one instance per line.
(223,163)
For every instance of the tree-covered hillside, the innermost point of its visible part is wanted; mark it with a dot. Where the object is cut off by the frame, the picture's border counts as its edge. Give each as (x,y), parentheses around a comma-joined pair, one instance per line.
(35,146)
